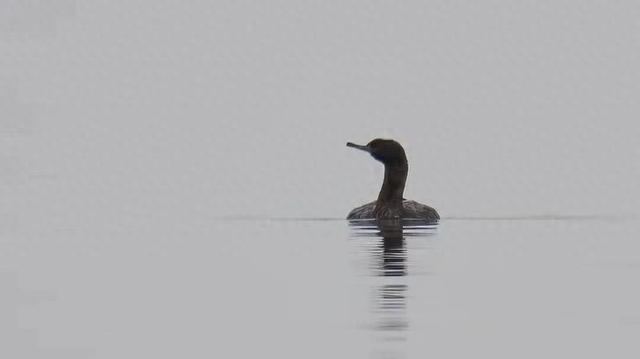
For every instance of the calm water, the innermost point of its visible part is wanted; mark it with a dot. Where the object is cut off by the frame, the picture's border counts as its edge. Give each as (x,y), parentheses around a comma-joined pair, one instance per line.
(247,288)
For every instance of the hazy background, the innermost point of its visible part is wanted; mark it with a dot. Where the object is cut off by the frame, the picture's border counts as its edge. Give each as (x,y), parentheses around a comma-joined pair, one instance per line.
(119,114)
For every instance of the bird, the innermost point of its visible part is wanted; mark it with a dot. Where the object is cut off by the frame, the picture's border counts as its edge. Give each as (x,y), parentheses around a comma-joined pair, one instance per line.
(390,203)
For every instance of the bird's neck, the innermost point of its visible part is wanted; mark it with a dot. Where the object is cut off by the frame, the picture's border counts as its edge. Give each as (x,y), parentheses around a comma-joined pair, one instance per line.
(395,176)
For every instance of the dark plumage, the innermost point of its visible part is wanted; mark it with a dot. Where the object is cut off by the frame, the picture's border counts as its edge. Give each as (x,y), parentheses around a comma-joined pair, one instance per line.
(390,203)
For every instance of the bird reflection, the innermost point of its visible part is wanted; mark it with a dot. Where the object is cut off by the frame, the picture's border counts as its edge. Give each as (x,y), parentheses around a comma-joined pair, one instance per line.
(394,254)
(389,265)
(391,295)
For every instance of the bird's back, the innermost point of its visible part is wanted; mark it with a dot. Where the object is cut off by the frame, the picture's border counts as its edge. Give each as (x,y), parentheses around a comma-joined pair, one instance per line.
(410,209)
(366,211)
(413,209)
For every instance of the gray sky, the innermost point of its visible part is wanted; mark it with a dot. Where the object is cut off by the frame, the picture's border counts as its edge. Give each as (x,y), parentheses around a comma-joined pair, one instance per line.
(121,113)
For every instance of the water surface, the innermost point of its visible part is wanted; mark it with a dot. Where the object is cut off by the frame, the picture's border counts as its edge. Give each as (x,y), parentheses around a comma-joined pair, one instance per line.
(296,288)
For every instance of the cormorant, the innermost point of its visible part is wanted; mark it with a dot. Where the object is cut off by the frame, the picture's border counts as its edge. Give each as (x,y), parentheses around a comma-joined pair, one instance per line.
(390,203)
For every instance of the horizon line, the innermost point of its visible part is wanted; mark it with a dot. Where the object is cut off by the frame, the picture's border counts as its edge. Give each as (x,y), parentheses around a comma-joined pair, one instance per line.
(524,217)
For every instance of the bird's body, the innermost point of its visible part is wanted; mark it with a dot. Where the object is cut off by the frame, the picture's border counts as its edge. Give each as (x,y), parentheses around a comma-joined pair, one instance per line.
(410,209)
(390,203)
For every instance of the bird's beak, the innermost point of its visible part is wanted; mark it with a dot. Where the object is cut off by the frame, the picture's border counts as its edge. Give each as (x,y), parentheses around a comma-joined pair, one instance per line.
(360,147)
